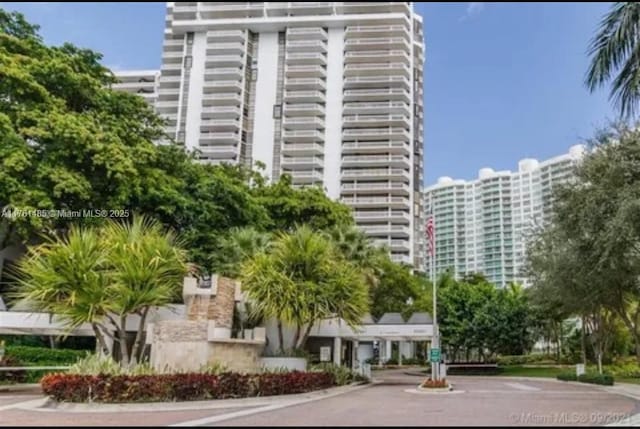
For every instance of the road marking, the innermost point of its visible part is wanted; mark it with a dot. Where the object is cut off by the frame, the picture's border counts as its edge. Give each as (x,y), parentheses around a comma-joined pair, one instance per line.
(28,404)
(276,406)
(520,386)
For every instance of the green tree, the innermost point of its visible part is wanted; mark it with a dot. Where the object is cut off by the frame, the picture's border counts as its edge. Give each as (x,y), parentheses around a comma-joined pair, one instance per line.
(239,245)
(301,280)
(616,50)
(288,206)
(103,277)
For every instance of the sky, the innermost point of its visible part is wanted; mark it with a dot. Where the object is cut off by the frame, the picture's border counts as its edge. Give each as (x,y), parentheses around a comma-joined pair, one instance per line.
(503,81)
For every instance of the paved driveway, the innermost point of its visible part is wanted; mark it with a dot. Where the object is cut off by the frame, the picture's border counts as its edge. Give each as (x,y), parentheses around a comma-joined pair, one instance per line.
(484,401)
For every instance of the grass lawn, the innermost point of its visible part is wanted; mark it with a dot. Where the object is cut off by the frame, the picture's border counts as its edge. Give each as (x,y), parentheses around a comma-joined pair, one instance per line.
(520,371)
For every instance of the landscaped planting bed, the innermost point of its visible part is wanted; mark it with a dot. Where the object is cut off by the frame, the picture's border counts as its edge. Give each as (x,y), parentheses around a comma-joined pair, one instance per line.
(180,387)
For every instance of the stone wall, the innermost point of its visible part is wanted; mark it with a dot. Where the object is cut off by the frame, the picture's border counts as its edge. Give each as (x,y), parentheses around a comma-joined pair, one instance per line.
(222,305)
(236,355)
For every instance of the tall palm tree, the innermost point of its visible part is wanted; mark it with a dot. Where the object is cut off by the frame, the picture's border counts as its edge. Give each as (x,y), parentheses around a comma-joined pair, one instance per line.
(239,245)
(101,276)
(301,280)
(616,49)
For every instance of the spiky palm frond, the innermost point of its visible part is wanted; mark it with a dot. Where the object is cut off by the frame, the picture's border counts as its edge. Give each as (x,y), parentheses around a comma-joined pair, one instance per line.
(616,49)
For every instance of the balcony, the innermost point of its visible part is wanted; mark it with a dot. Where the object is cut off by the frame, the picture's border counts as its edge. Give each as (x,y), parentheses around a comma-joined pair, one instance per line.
(373,202)
(377,82)
(310,33)
(304,71)
(172,57)
(373,7)
(218,138)
(210,10)
(303,162)
(376,173)
(378,31)
(376,134)
(225,36)
(221,112)
(224,61)
(184,10)
(394,244)
(234,73)
(303,96)
(376,161)
(219,125)
(225,151)
(377,69)
(300,149)
(172,45)
(388,230)
(376,147)
(303,58)
(306,177)
(395,216)
(395,188)
(395,56)
(222,99)
(299,8)
(304,136)
(305,84)
(363,121)
(378,43)
(222,86)
(307,109)
(306,46)
(381,107)
(393,94)
(227,48)
(307,123)
(170,81)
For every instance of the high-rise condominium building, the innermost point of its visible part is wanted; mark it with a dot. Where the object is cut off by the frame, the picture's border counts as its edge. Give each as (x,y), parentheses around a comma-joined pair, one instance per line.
(482,225)
(327,92)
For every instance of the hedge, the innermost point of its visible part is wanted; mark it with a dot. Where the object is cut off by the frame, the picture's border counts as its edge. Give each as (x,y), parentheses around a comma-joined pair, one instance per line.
(533,358)
(602,379)
(33,356)
(179,387)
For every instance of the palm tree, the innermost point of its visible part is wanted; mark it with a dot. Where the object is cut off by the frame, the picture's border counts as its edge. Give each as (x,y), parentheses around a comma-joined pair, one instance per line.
(102,276)
(239,245)
(146,267)
(616,49)
(304,279)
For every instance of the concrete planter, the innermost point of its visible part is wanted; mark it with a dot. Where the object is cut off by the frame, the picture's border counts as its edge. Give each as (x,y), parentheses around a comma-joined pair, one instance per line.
(435,389)
(290,363)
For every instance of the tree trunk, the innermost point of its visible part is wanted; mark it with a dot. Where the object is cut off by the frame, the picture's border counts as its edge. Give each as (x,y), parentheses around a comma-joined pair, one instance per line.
(280,337)
(583,341)
(102,344)
(137,349)
(600,362)
(304,338)
(124,348)
(296,337)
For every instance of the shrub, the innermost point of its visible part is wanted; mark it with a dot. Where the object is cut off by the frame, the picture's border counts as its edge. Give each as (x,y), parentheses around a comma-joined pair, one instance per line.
(532,358)
(434,384)
(33,356)
(474,370)
(179,387)
(602,379)
(14,376)
(341,374)
(567,376)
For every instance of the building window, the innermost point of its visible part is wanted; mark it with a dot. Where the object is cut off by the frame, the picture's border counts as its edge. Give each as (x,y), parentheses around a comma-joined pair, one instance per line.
(277,111)
(188,61)
(254,74)
(181,136)
(189,38)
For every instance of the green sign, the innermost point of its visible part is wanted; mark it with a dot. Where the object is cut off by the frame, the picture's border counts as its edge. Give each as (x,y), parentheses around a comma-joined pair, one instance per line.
(435,355)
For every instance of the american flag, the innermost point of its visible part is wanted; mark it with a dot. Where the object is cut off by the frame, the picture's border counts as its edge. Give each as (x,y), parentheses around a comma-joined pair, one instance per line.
(429,230)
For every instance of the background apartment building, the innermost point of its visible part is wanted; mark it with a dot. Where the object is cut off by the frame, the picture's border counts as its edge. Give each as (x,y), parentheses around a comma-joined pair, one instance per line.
(482,225)
(327,92)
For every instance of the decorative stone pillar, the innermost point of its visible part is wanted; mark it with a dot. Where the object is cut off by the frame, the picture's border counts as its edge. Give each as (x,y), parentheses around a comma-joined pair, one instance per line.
(337,351)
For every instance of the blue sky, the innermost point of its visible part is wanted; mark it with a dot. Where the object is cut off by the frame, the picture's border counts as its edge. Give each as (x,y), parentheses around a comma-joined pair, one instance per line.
(503,81)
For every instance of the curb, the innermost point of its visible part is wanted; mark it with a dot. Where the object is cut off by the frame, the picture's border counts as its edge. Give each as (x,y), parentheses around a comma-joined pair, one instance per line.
(18,387)
(51,405)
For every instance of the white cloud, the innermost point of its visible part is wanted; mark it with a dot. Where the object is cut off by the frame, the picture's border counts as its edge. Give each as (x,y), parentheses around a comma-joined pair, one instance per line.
(473,8)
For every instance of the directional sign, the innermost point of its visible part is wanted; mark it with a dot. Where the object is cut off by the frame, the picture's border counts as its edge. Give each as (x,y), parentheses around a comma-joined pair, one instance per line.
(434,355)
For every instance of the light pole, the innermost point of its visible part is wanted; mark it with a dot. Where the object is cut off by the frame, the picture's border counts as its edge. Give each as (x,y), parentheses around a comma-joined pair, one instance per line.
(435,339)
